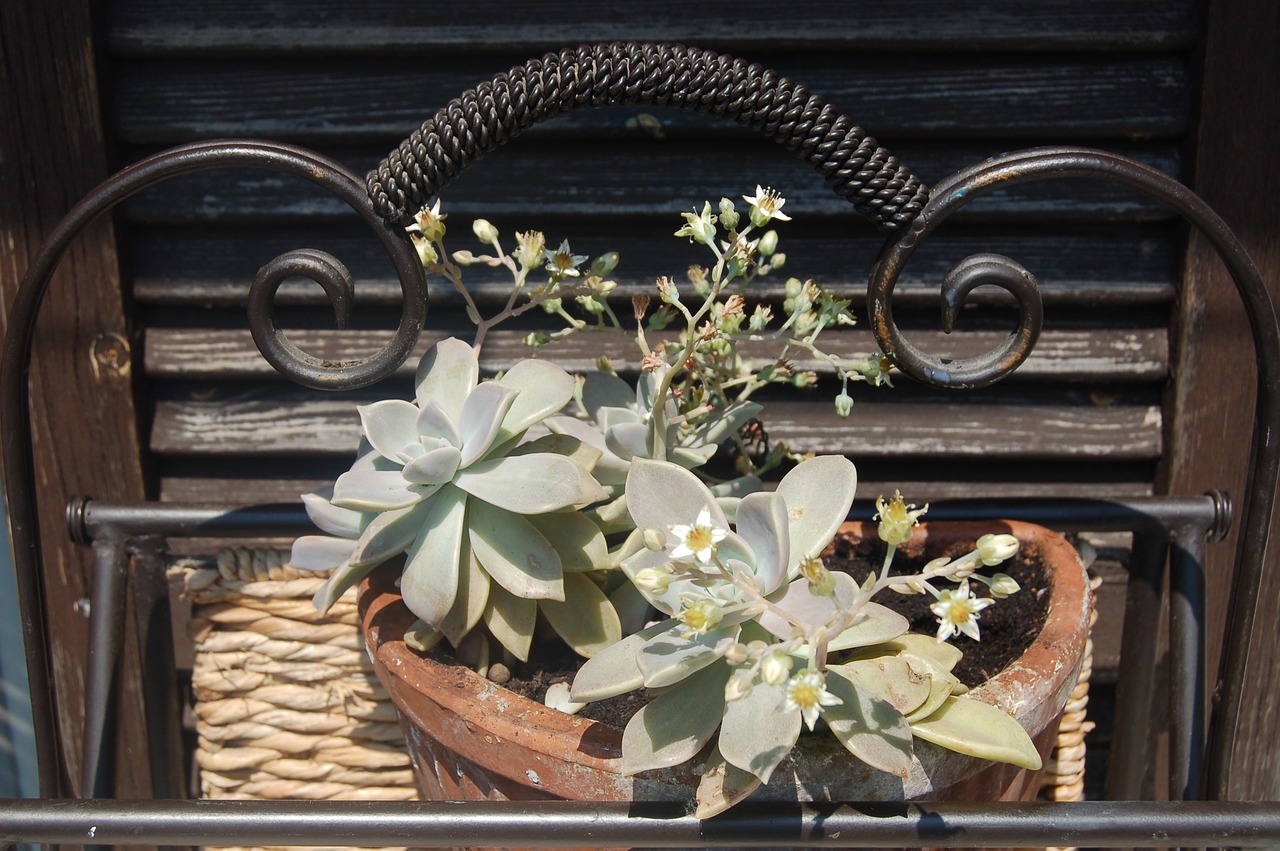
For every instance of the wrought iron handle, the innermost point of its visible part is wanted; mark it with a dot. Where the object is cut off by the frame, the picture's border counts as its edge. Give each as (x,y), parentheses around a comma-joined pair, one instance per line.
(494,112)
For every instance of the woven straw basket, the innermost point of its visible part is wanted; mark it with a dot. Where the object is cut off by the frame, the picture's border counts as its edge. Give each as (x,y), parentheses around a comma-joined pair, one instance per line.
(286,702)
(287,705)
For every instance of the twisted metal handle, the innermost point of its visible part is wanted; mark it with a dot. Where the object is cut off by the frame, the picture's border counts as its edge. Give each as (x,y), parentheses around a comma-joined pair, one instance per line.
(625,73)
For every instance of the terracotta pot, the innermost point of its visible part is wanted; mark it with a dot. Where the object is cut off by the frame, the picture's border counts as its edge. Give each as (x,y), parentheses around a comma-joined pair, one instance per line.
(473,740)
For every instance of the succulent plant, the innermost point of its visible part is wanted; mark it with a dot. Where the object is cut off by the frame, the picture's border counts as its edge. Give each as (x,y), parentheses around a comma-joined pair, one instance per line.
(488,521)
(752,616)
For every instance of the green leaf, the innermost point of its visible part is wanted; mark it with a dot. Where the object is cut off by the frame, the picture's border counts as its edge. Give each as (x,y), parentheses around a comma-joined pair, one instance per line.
(878,625)
(758,730)
(469,606)
(818,492)
(890,678)
(586,620)
(674,726)
(530,484)
(576,538)
(868,726)
(978,729)
(481,416)
(568,446)
(614,670)
(670,658)
(722,786)
(390,533)
(446,374)
(942,654)
(544,387)
(515,554)
(337,584)
(429,583)
(511,620)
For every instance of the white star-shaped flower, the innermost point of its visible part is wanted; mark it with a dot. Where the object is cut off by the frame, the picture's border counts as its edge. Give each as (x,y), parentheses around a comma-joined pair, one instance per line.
(807,692)
(957,612)
(699,540)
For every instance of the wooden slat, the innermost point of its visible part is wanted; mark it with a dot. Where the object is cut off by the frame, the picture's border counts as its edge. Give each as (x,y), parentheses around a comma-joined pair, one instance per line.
(331,426)
(163,101)
(382,26)
(1073,263)
(586,179)
(1060,355)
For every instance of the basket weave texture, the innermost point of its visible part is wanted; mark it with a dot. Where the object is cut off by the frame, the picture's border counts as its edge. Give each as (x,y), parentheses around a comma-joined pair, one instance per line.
(287,705)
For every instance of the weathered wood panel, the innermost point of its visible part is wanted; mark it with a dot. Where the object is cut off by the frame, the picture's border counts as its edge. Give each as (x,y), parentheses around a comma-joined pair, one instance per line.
(1075,264)
(930,430)
(1123,355)
(1238,174)
(390,26)
(584,179)
(160,101)
(52,152)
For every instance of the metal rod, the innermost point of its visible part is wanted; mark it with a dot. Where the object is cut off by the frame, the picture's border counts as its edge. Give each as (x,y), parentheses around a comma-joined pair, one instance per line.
(106,626)
(89,518)
(1186,664)
(566,823)
(1135,684)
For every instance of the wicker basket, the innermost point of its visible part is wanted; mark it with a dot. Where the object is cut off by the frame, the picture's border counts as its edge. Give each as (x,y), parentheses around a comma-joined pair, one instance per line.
(286,702)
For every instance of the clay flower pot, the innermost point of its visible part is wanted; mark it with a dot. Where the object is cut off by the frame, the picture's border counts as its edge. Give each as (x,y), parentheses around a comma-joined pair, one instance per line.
(473,740)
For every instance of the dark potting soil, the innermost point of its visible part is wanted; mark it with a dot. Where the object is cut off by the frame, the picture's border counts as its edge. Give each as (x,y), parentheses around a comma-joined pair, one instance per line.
(1008,627)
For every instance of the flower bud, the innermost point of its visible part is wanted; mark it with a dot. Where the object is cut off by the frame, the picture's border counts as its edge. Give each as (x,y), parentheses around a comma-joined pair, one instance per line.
(760,318)
(733,651)
(426,250)
(756,648)
(552,305)
(655,580)
(778,260)
(537,339)
(667,290)
(775,667)
(463,258)
(739,685)
(605,263)
(844,405)
(655,540)
(1002,585)
(993,549)
(591,304)
(484,231)
(768,243)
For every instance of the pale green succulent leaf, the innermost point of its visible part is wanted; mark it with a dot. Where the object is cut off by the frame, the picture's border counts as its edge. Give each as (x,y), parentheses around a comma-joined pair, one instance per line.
(758,730)
(337,584)
(978,729)
(669,658)
(433,467)
(576,538)
(530,484)
(722,785)
(868,726)
(470,603)
(391,427)
(762,524)
(615,670)
(481,417)
(376,490)
(511,620)
(628,440)
(608,468)
(722,425)
(819,493)
(691,456)
(446,374)
(320,552)
(587,621)
(603,389)
(390,533)
(632,608)
(943,654)
(739,487)
(545,389)
(673,727)
(434,424)
(889,678)
(429,583)
(941,687)
(661,495)
(329,518)
(514,553)
(878,624)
